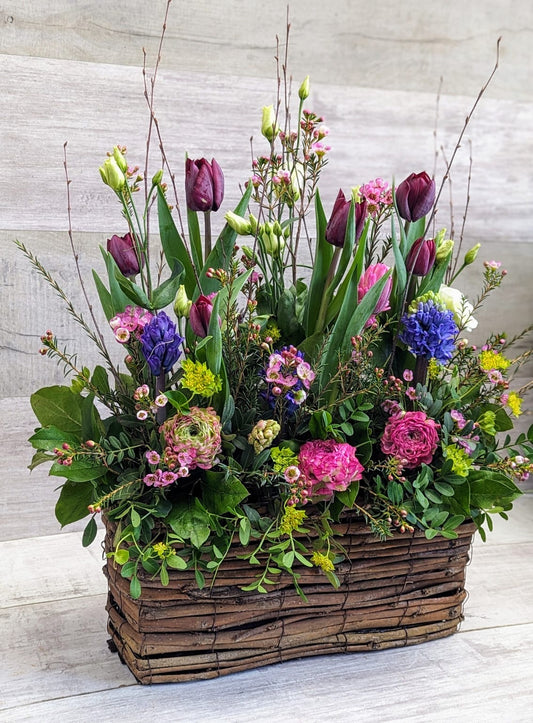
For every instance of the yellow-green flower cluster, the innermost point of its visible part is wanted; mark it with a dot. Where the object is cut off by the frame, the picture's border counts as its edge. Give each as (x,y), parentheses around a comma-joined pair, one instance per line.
(291,520)
(461,462)
(163,550)
(320,560)
(489,360)
(200,380)
(283,457)
(514,402)
(487,422)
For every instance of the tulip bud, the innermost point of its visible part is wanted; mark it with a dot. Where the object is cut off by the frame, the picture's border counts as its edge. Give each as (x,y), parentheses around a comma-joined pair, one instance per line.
(470,256)
(123,252)
(238,223)
(200,315)
(415,196)
(421,257)
(303,91)
(157,178)
(182,303)
(268,123)
(111,174)
(119,158)
(204,185)
(336,228)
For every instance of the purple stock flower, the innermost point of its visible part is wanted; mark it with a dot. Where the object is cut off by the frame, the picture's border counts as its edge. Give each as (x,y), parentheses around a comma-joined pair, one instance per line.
(429,332)
(336,228)
(421,257)
(122,250)
(415,196)
(161,344)
(204,185)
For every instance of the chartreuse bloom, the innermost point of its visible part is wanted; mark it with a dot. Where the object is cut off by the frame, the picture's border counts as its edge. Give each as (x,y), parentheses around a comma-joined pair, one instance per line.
(198,379)
(514,402)
(461,462)
(489,360)
(487,422)
(291,520)
(283,457)
(163,550)
(320,560)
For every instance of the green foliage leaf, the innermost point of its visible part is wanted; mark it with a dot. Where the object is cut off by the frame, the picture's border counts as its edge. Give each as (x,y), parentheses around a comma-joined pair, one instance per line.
(490,489)
(74,500)
(222,494)
(118,297)
(172,243)
(48,438)
(58,407)
(89,533)
(81,470)
(323,255)
(135,588)
(348,496)
(176,562)
(166,292)
(190,521)
(105,297)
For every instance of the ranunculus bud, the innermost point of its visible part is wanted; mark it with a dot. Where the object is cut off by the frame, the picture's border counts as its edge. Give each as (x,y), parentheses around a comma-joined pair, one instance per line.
(111,174)
(122,250)
(415,196)
(421,257)
(470,256)
(204,185)
(200,315)
(239,224)
(182,303)
(303,91)
(268,123)
(336,228)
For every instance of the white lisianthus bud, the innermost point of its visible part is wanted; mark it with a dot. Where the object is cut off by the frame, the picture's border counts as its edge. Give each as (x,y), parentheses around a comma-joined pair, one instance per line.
(455,301)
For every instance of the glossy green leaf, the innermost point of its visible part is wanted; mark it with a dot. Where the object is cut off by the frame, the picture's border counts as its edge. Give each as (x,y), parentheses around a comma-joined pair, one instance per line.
(57,406)
(74,500)
(173,245)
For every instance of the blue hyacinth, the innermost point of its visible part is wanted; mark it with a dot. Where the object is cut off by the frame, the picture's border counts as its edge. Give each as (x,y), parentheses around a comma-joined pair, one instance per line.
(429,332)
(161,344)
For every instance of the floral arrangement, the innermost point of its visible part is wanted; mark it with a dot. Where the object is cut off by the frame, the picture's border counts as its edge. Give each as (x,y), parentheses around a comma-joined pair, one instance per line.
(297,366)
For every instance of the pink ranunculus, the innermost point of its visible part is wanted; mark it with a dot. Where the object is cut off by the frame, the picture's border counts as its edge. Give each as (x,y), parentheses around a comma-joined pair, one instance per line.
(328,466)
(367,281)
(411,437)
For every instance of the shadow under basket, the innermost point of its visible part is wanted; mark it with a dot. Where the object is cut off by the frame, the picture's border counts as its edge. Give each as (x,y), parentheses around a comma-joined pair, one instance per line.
(403,591)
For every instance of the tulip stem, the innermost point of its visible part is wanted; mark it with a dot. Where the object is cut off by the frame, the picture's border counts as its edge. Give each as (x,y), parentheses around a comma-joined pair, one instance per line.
(207,236)
(326,295)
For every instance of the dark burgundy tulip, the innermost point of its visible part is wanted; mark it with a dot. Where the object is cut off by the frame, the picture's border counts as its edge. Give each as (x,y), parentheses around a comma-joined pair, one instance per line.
(415,196)
(204,185)
(121,249)
(200,315)
(336,228)
(421,257)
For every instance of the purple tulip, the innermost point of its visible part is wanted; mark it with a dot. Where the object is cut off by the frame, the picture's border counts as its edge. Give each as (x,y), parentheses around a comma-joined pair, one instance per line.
(204,185)
(415,196)
(161,344)
(421,257)
(122,250)
(200,315)
(336,228)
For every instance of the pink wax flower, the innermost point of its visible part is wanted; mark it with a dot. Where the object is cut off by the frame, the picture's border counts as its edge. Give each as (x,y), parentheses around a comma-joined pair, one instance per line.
(328,466)
(378,195)
(373,274)
(132,319)
(412,437)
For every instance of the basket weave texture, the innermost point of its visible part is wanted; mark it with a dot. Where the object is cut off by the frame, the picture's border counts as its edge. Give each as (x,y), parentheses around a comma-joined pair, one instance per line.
(403,591)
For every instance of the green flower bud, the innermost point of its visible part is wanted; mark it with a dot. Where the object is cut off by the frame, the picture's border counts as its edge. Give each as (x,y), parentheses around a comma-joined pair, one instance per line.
(268,124)
(248,252)
(444,249)
(276,228)
(238,223)
(111,174)
(272,244)
(487,422)
(253,223)
(303,91)
(470,256)
(119,158)
(182,303)
(157,178)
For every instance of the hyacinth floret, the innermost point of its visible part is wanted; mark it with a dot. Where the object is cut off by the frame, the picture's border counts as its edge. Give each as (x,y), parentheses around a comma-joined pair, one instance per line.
(192,439)
(429,330)
(161,344)
(289,377)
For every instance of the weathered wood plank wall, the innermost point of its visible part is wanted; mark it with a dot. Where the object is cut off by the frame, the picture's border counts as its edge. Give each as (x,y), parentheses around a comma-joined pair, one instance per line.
(71,71)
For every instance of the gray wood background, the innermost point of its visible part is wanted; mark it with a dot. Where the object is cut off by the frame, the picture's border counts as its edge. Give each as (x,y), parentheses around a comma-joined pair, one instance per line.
(72,71)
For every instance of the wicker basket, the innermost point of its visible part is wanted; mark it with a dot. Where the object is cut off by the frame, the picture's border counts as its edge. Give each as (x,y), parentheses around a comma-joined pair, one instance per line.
(400,592)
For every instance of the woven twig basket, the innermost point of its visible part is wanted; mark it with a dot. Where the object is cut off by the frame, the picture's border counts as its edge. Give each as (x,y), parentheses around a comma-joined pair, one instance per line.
(400,592)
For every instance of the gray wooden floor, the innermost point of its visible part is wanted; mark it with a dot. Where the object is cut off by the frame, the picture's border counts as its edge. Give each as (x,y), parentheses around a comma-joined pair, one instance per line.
(56,664)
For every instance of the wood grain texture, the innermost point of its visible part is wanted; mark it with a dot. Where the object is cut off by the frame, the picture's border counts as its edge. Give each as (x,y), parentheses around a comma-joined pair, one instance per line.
(399,46)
